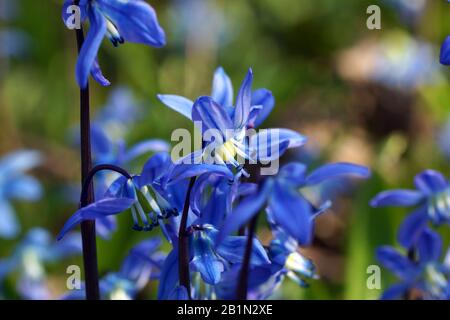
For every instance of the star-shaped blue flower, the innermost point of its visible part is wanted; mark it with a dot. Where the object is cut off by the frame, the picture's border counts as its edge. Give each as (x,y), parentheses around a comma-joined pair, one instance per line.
(427,274)
(431,200)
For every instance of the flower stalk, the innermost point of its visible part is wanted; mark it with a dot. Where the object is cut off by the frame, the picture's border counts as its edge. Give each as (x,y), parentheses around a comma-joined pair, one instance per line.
(87,227)
(242,288)
(183,244)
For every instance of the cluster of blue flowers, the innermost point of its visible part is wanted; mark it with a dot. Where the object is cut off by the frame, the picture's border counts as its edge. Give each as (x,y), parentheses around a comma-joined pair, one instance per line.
(206,204)
(420,266)
(201,200)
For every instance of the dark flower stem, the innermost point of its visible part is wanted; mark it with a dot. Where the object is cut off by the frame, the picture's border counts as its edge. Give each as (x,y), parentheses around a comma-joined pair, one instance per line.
(88,226)
(86,185)
(242,287)
(183,244)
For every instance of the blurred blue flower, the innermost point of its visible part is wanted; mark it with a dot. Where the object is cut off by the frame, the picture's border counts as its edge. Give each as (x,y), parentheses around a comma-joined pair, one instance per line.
(427,274)
(16,184)
(216,112)
(431,199)
(409,10)
(141,265)
(396,61)
(284,197)
(120,21)
(28,259)
(15,43)
(201,22)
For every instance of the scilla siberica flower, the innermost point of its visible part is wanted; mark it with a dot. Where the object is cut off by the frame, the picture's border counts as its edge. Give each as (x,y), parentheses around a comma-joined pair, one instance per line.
(108,132)
(228,124)
(30,256)
(431,200)
(15,184)
(141,265)
(284,198)
(120,21)
(151,196)
(428,274)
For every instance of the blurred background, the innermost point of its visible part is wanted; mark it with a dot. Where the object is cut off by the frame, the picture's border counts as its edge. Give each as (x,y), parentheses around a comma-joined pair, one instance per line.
(373,97)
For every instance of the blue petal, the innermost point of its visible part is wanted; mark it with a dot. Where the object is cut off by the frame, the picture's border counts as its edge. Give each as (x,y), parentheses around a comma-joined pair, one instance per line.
(169,275)
(430,182)
(244,211)
(151,145)
(99,209)
(222,89)
(412,227)
(445,52)
(294,172)
(96,73)
(243,102)
(394,261)
(135,20)
(265,99)
(185,171)
(232,249)
(217,207)
(336,170)
(212,116)
(9,226)
(271,144)
(292,212)
(156,166)
(180,104)
(88,52)
(396,291)
(429,246)
(397,198)
(205,260)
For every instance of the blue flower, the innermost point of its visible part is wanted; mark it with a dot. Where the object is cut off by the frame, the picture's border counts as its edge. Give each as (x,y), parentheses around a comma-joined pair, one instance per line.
(29,259)
(227,124)
(15,184)
(108,132)
(285,199)
(431,198)
(120,21)
(283,252)
(427,274)
(152,196)
(265,279)
(141,265)
(208,261)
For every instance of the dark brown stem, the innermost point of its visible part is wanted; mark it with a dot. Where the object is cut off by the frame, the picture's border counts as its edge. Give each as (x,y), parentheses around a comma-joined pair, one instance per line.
(84,191)
(88,226)
(183,244)
(242,288)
